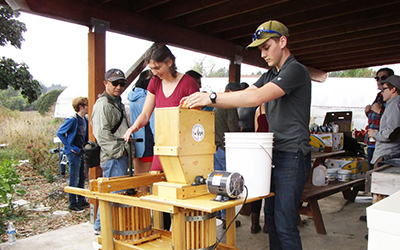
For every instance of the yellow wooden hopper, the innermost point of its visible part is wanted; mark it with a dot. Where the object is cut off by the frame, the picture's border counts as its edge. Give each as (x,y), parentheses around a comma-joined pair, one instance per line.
(184,143)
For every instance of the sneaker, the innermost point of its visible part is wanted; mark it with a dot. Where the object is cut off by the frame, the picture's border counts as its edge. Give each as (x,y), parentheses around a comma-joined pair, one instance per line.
(97,232)
(83,204)
(75,208)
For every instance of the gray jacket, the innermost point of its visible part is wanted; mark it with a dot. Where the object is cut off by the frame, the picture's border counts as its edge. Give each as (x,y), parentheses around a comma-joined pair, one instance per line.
(105,116)
(390,120)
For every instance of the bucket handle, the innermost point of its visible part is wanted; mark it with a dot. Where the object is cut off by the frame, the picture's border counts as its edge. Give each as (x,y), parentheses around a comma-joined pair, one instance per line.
(272,165)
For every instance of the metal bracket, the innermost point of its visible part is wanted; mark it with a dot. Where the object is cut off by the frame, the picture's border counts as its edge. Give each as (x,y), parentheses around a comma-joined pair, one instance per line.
(200,217)
(99,26)
(238,60)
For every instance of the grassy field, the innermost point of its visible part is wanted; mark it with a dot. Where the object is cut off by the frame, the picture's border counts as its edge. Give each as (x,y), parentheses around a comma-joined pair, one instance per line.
(27,136)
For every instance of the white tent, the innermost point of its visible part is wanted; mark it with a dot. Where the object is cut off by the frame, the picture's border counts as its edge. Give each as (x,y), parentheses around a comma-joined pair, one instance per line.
(335,94)
(63,108)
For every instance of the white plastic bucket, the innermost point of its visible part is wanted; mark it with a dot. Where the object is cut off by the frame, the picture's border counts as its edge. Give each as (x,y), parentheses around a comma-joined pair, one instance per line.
(250,154)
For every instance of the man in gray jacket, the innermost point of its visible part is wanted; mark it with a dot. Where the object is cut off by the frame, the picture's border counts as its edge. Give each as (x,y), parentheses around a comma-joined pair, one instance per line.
(387,142)
(109,122)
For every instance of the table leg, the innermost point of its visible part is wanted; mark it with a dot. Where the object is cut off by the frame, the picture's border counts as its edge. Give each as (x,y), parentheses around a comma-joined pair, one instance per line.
(106,226)
(178,230)
(231,233)
(317,216)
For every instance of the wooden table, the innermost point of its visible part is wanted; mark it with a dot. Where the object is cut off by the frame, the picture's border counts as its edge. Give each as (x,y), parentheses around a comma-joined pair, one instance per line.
(312,194)
(176,207)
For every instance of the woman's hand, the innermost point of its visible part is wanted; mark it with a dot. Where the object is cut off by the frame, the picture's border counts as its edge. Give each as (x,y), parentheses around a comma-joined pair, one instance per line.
(128,133)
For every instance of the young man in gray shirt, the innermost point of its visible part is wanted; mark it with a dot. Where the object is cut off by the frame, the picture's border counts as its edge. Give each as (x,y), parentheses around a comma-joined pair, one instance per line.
(286,90)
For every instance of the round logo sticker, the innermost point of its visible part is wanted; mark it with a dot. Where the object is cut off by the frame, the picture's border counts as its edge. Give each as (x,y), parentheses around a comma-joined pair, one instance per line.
(198,132)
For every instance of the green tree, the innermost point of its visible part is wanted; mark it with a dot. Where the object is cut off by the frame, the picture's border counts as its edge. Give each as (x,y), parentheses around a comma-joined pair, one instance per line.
(13,100)
(47,100)
(13,74)
(363,72)
(209,70)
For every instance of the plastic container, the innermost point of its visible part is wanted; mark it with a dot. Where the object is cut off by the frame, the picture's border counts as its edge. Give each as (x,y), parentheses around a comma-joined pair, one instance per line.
(343,175)
(332,173)
(12,239)
(250,154)
(320,176)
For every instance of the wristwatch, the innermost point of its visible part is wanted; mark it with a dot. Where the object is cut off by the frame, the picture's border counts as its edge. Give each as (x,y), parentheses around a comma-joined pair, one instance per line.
(213,97)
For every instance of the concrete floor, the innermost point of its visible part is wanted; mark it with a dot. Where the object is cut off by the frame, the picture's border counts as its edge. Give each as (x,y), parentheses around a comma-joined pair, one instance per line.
(344,232)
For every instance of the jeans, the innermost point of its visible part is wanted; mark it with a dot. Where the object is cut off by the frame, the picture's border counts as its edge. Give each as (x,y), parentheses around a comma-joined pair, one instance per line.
(370,153)
(112,168)
(288,179)
(76,176)
(220,164)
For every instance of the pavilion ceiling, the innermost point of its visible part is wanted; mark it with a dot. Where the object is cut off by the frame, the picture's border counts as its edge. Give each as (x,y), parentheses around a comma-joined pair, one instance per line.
(324,34)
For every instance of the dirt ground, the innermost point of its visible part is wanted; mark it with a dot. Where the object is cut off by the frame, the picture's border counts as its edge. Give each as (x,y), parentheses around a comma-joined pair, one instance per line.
(45,201)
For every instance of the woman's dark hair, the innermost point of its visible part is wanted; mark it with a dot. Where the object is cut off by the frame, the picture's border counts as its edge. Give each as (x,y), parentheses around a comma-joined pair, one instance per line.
(144,79)
(160,53)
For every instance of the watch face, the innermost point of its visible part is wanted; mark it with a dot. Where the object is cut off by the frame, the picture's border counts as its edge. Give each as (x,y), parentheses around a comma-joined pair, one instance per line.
(212,96)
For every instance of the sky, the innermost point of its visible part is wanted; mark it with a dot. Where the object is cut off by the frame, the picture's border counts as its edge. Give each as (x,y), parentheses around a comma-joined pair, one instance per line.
(56,52)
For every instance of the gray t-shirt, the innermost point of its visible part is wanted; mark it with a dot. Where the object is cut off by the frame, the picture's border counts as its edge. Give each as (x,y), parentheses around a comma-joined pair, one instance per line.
(289,116)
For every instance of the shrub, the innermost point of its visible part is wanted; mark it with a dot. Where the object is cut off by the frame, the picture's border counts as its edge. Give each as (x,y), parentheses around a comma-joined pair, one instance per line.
(9,180)
(46,101)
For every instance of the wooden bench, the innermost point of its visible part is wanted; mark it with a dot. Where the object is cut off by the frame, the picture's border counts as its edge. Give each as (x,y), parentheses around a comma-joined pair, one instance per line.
(312,194)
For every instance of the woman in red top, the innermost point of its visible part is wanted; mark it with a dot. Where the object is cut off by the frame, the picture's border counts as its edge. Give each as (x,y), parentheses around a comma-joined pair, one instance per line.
(166,88)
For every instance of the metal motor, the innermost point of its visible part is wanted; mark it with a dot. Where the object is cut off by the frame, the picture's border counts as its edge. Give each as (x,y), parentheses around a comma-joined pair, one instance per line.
(225,185)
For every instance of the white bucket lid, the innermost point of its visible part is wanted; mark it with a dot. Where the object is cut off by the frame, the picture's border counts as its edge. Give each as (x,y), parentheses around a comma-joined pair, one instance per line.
(249,135)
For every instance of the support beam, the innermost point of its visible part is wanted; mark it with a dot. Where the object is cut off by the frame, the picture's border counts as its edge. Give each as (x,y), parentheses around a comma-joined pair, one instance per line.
(234,69)
(136,68)
(97,68)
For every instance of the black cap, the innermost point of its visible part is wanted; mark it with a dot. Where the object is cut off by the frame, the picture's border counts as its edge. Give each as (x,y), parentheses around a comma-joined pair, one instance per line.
(114,75)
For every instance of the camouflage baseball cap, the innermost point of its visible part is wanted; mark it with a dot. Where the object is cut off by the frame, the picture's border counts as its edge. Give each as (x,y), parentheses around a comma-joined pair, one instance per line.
(114,75)
(267,30)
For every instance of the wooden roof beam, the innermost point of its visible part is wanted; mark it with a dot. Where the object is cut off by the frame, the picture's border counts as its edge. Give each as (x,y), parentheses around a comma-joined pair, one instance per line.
(142,5)
(250,20)
(185,7)
(232,8)
(366,42)
(129,23)
(315,26)
(356,65)
(355,57)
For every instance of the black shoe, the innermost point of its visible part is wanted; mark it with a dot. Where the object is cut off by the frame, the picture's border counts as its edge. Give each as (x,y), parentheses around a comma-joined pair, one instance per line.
(83,204)
(363,218)
(237,223)
(97,232)
(75,208)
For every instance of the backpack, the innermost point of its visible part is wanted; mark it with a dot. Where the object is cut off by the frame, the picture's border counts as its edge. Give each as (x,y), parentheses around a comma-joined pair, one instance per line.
(92,149)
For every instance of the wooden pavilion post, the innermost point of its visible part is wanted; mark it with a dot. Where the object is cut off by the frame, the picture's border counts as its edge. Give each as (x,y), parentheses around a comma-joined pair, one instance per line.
(234,69)
(97,68)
